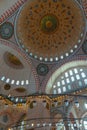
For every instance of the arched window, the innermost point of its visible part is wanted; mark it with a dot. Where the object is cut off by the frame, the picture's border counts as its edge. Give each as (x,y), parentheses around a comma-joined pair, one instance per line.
(64,80)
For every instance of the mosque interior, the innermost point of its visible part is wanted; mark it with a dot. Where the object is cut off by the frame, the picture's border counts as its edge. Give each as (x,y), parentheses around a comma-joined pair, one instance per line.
(43,64)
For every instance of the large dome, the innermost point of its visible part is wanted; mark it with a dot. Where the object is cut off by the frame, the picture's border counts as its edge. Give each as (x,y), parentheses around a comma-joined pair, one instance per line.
(50,29)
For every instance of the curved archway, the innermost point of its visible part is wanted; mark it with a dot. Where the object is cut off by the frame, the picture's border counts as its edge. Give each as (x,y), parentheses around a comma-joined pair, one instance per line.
(69,77)
(16,70)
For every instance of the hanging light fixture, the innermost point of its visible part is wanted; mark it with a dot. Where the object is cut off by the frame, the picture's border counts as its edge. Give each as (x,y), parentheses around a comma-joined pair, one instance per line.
(50,124)
(38,124)
(66,102)
(34,103)
(75,125)
(16,100)
(44,124)
(76,104)
(69,124)
(55,103)
(44,103)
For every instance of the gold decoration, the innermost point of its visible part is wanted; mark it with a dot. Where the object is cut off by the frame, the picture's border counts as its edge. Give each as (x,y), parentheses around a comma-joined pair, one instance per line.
(46,27)
(49,24)
(20,89)
(12,60)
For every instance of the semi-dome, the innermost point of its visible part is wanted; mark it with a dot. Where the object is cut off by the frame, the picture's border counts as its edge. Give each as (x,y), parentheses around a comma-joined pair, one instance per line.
(43,64)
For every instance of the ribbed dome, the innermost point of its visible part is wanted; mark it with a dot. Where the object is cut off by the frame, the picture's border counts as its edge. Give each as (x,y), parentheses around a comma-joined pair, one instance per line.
(50,28)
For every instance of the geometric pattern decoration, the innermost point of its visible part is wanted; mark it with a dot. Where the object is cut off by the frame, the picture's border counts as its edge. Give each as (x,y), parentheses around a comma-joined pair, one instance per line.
(84,2)
(6,30)
(42,69)
(43,27)
(8,7)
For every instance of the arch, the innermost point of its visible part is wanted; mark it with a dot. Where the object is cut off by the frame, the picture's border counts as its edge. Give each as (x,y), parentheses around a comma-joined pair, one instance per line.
(61,70)
(11,74)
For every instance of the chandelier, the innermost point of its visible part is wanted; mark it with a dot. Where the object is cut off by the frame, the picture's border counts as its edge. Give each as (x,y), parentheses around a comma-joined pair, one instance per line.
(49,102)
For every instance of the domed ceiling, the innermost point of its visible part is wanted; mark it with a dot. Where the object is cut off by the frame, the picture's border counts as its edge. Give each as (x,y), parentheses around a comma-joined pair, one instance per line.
(43,49)
(17,75)
(50,29)
(70,77)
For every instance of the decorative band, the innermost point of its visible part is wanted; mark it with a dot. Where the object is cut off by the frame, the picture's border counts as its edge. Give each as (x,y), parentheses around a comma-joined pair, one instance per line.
(85,6)
(11,10)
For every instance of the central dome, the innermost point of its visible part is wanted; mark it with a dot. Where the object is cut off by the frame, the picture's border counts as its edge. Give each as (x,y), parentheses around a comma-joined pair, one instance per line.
(50,29)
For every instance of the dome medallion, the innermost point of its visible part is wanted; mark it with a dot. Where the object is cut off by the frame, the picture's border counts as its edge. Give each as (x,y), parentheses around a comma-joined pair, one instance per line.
(49,24)
(50,30)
